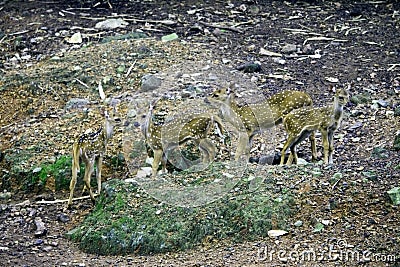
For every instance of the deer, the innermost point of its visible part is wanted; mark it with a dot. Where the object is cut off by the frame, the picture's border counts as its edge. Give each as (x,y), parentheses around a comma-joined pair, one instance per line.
(301,123)
(91,147)
(252,119)
(165,137)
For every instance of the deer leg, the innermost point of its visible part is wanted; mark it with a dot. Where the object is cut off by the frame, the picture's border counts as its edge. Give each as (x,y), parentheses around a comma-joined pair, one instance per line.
(164,163)
(288,143)
(290,159)
(313,147)
(243,146)
(208,150)
(98,173)
(89,167)
(331,148)
(72,183)
(325,143)
(158,154)
(293,155)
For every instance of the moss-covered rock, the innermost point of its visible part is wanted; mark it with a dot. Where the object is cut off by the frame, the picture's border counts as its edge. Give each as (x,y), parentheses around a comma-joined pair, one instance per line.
(396,143)
(126,220)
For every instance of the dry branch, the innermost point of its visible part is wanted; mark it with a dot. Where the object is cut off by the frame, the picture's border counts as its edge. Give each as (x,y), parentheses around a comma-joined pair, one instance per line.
(221,27)
(62,200)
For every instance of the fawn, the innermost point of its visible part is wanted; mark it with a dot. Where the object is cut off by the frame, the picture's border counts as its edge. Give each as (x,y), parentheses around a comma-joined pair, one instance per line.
(251,119)
(165,137)
(302,122)
(91,147)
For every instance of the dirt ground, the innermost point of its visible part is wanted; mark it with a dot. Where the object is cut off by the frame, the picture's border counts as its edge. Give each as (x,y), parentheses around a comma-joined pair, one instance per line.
(305,45)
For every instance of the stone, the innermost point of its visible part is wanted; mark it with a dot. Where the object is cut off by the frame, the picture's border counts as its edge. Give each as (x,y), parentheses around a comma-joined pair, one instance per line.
(289,48)
(77,103)
(76,38)
(150,82)
(250,67)
(397,111)
(111,24)
(396,143)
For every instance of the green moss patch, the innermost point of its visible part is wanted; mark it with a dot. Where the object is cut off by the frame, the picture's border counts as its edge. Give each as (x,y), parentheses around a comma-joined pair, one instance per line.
(127,220)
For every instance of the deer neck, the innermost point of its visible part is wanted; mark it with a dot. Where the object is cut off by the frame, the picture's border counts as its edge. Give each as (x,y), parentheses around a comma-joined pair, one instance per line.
(108,130)
(337,110)
(229,108)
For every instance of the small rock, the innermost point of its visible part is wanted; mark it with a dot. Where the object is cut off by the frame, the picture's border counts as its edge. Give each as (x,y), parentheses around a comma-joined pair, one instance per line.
(280,61)
(63,218)
(394,195)
(250,67)
(381,103)
(380,153)
(5,195)
(307,49)
(355,126)
(77,103)
(38,242)
(356,112)
(396,143)
(47,248)
(265,52)
(298,223)
(360,98)
(169,37)
(266,159)
(40,227)
(337,176)
(150,82)
(301,161)
(397,111)
(289,48)
(121,69)
(111,24)
(76,38)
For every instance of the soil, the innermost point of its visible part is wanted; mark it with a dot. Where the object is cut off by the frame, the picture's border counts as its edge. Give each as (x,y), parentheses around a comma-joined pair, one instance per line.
(303,45)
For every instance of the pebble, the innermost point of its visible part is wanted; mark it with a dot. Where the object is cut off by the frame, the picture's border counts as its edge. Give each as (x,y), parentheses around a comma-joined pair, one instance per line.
(63,218)
(289,48)
(150,83)
(111,24)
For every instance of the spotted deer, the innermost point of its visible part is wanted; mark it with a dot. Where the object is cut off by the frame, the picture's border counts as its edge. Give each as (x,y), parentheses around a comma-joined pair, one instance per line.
(252,119)
(301,123)
(165,137)
(91,147)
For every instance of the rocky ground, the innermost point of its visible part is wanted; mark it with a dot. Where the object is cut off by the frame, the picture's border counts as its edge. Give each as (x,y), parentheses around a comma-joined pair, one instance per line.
(53,57)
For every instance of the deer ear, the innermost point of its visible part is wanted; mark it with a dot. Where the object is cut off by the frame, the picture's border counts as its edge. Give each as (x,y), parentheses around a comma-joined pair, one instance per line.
(231,88)
(153,103)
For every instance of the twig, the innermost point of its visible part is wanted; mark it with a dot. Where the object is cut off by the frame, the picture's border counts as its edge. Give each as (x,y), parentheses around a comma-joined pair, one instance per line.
(84,84)
(334,185)
(18,33)
(68,12)
(243,23)
(164,22)
(62,200)
(130,69)
(91,18)
(392,66)
(220,27)
(323,38)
